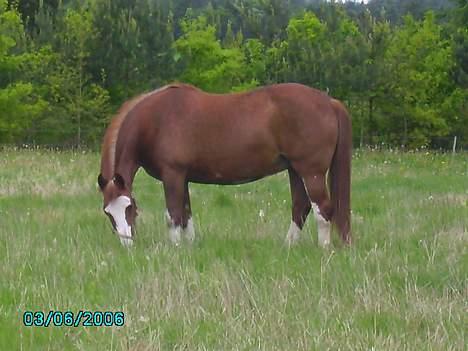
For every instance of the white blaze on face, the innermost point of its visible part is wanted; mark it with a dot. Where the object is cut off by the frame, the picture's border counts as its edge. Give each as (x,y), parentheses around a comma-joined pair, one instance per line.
(116,208)
(323,227)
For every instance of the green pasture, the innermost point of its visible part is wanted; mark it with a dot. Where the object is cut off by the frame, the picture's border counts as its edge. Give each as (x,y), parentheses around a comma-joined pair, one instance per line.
(402,285)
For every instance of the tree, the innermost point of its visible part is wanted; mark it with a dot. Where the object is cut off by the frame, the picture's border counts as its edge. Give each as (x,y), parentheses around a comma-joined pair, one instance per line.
(306,44)
(133,46)
(255,63)
(81,100)
(370,77)
(205,63)
(458,31)
(328,56)
(404,80)
(395,10)
(419,61)
(261,19)
(19,104)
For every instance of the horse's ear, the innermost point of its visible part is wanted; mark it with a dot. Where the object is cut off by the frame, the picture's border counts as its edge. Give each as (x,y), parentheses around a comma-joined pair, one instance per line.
(119,181)
(102,181)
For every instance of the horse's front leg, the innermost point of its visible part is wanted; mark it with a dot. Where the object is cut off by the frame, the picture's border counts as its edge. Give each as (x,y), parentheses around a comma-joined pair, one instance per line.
(174,183)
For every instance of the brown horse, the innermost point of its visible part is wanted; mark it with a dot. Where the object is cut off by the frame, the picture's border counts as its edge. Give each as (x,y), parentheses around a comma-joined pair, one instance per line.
(180,134)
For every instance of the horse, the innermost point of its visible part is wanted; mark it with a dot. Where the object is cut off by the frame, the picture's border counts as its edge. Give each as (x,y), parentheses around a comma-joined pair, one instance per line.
(180,134)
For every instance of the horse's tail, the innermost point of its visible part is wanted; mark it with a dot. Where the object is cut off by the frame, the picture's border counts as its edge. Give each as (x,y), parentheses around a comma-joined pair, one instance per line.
(340,173)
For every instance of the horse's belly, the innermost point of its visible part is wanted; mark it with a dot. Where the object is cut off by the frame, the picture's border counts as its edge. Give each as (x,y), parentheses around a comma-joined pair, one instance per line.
(236,171)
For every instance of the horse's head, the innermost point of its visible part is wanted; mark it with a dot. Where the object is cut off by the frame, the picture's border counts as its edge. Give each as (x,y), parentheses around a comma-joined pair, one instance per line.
(119,206)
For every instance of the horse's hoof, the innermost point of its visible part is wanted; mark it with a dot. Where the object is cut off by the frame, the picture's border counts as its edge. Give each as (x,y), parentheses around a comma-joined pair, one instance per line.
(293,234)
(175,235)
(127,242)
(324,244)
(189,231)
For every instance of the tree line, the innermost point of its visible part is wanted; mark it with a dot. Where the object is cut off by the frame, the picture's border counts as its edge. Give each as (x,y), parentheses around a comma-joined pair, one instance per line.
(400,67)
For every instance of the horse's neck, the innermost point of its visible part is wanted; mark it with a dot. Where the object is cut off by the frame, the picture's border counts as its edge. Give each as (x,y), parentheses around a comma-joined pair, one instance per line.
(126,163)
(108,161)
(115,158)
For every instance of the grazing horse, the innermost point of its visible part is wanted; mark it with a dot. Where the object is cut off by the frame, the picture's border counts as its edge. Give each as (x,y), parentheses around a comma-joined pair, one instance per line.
(180,134)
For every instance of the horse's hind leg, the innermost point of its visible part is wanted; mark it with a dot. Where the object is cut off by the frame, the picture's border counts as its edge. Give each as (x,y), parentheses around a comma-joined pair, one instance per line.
(174,190)
(300,206)
(321,204)
(189,229)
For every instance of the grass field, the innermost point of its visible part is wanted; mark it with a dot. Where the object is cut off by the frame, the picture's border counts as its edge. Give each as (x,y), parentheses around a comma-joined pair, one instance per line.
(401,286)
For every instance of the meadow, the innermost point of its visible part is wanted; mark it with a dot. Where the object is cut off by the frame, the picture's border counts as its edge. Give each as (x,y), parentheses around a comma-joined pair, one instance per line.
(402,285)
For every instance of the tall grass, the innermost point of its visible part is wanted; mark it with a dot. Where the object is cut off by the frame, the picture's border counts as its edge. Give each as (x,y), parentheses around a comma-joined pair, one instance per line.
(401,286)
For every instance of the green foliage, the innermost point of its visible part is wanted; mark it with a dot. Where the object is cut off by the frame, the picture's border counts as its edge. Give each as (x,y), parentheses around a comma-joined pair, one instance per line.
(255,63)
(305,42)
(79,111)
(205,63)
(19,104)
(405,81)
(17,110)
(419,60)
(83,101)
(133,44)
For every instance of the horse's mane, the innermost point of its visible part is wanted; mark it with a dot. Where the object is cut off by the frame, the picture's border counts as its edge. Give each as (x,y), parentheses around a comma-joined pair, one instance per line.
(112,132)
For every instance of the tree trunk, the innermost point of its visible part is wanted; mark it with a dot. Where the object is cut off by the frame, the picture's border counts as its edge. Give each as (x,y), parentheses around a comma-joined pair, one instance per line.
(80,103)
(405,131)
(371,119)
(361,138)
